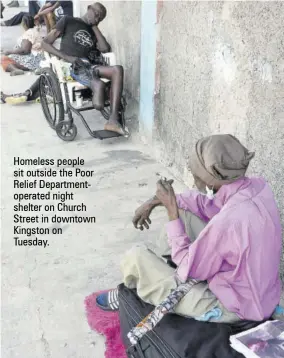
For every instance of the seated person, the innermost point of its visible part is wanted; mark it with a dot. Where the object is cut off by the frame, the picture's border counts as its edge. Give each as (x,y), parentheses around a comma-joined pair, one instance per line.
(34,7)
(81,38)
(51,13)
(228,239)
(27,55)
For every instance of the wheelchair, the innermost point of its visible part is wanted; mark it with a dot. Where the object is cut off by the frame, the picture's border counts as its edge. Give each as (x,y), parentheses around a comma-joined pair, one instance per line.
(60,95)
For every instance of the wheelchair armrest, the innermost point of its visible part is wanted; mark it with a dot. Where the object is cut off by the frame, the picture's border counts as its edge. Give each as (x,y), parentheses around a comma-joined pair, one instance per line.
(110,58)
(59,66)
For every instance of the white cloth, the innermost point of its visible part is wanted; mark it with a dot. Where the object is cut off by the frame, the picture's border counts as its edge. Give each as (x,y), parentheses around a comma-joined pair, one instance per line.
(34,37)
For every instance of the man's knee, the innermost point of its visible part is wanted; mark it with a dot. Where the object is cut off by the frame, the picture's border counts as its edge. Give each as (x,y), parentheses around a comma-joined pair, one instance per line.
(135,253)
(118,70)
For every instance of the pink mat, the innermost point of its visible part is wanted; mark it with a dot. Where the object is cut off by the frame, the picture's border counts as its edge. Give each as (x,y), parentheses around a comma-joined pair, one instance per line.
(107,324)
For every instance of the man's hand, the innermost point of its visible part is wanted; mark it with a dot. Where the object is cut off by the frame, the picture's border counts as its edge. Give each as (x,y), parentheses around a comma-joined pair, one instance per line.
(141,218)
(165,193)
(70,59)
(102,44)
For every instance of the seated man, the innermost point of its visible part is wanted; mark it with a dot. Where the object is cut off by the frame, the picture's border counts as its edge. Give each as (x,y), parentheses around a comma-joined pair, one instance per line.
(82,39)
(228,239)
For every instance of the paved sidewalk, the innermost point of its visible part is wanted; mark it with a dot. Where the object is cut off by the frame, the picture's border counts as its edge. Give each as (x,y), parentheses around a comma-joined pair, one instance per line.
(44,288)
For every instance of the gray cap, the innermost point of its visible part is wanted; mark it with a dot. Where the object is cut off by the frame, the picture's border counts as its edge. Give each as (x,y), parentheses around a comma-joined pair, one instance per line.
(220,159)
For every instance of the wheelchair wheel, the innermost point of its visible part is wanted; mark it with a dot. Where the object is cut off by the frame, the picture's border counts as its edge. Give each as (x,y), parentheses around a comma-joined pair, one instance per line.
(51,97)
(66,131)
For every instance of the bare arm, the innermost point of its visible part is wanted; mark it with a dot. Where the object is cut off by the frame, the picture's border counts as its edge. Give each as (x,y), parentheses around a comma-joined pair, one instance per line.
(25,49)
(45,6)
(46,9)
(141,219)
(102,45)
(47,45)
(154,202)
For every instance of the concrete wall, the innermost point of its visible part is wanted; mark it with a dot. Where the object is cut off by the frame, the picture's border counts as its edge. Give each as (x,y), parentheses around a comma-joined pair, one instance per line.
(122,30)
(148,66)
(222,71)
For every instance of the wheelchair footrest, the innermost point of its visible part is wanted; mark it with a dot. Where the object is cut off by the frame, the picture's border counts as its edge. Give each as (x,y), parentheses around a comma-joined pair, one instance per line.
(103,134)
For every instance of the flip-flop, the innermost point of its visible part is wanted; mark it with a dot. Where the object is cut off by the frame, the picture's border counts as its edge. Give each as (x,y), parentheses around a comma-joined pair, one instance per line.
(108,301)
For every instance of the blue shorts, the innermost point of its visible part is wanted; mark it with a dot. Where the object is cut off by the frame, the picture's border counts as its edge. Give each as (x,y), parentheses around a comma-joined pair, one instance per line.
(84,74)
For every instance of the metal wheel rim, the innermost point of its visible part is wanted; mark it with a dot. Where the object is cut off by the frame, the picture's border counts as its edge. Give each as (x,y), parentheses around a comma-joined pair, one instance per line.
(48,97)
(66,129)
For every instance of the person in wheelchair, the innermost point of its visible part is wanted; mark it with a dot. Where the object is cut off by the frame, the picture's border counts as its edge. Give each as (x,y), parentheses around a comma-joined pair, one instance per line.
(81,44)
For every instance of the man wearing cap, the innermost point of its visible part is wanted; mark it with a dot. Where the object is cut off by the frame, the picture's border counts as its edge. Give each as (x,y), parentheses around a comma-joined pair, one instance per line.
(226,234)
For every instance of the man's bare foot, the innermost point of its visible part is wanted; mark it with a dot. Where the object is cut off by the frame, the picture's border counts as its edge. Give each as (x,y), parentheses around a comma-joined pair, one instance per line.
(115,126)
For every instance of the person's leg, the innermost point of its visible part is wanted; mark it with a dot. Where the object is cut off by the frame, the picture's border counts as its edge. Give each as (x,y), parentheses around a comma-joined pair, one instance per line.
(155,280)
(10,65)
(15,20)
(82,72)
(34,90)
(30,94)
(115,75)
(98,88)
(15,70)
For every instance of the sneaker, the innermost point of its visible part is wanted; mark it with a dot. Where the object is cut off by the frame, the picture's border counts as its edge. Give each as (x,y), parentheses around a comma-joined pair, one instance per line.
(16,99)
(108,301)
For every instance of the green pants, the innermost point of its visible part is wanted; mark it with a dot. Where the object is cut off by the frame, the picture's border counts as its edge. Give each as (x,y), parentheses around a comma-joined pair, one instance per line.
(154,278)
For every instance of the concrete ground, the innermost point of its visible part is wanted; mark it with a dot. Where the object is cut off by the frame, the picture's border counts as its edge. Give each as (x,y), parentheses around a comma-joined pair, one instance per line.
(43,289)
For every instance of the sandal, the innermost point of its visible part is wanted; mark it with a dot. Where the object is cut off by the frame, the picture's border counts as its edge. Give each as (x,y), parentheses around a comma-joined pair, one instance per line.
(108,301)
